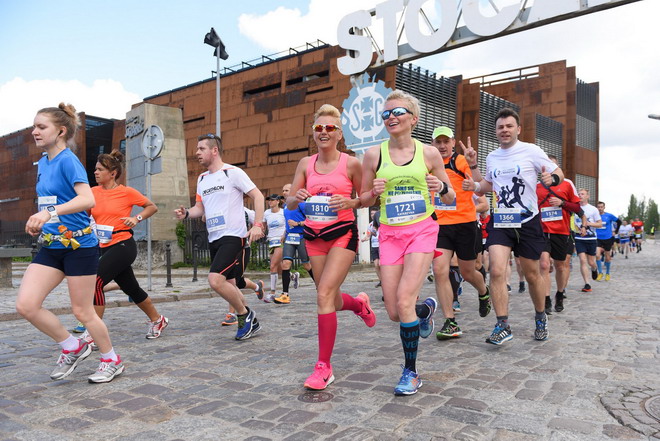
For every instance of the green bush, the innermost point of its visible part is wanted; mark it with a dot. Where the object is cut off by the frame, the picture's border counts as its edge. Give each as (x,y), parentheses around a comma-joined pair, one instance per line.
(181,235)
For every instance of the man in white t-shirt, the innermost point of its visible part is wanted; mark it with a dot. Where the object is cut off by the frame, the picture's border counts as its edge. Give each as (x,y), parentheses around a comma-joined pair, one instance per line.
(625,233)
(585,246)
(511,172)
(219,199)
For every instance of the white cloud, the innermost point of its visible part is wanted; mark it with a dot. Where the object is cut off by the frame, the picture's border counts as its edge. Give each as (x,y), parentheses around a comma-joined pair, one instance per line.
(103,98)
(284,28)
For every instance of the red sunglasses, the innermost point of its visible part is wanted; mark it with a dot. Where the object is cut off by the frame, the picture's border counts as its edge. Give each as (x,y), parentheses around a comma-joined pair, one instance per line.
(327,127)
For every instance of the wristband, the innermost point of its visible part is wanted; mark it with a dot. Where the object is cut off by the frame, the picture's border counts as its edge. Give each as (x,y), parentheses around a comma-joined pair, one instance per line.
(477,187)
(187,214)
(258,224)
(555,179)
(474,167)
(445,189)
(373,193)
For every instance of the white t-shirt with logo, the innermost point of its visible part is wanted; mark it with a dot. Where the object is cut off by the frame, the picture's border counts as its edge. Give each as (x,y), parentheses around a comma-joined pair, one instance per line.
(221,193)
(626,231)
(593,215)
(514,173)
(276,223)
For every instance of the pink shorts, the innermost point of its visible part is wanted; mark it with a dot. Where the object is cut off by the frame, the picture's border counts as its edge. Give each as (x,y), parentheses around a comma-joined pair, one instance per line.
(396,242)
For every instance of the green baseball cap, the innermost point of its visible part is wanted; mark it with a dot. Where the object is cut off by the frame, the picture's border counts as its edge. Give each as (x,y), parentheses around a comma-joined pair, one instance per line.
(442,130)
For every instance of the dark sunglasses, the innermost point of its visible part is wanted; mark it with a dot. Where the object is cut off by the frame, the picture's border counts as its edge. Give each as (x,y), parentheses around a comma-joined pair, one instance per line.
(327,127)
(397,111)
(207,136)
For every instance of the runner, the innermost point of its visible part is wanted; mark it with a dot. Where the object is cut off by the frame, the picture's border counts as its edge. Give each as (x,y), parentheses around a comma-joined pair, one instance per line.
(219,199)
(294,243)
(372,236)
(557,204)
(114,229)
(404,170)
(69,249)
(625,234)
(511,172)
(458,233)
(605,240)
(327,182)
(275,223)
(243,282)
(638,227)
(585,245)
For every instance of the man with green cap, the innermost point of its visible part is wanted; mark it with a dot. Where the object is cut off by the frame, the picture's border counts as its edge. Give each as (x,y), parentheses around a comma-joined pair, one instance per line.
(459,231)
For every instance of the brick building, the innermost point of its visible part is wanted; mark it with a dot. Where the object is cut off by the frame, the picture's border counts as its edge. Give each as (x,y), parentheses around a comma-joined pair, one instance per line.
(267,111)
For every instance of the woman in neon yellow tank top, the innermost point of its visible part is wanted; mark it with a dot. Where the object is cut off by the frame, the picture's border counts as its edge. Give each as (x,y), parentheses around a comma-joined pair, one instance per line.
(403,171)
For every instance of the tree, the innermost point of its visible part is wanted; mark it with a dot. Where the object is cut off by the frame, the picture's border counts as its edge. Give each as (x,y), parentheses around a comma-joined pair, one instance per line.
(632,208)
(652,217)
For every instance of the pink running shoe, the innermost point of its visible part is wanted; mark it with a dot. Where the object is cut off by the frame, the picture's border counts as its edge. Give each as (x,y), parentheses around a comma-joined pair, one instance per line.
(321,377)
(367,314)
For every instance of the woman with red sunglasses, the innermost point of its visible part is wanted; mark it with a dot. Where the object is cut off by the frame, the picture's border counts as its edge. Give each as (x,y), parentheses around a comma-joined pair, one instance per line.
(327,182)
(404,171)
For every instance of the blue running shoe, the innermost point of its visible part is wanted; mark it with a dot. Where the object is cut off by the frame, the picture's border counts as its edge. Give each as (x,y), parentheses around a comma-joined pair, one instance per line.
(500,335)
(426,324)
(409,383)
(79,328)
(246,325)
(541,331)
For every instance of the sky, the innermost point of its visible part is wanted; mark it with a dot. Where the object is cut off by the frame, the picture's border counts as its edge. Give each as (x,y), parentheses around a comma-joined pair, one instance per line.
(105,56)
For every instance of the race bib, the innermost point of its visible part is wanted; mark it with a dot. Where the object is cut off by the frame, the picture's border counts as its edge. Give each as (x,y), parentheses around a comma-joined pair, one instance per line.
(317,209)
(215,223)
(274,242)
(104,233)
(404,208)
(45,201)
(549,214)
(507,218)
(374,242)
(439,205)
(293,239)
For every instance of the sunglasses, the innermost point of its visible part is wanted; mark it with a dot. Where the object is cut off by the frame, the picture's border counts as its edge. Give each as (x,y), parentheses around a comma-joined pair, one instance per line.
(207,136)
(327,127)
(397,111)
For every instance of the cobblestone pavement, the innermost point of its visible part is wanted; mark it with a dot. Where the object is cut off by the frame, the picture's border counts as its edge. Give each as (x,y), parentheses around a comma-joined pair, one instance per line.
(589,381)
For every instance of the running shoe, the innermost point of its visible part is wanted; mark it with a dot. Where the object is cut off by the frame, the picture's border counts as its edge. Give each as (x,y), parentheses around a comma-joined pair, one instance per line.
(587,288)
(367,314)
(449,330)
(247,326)
(594,274)
(599,277)
(430,278)
(500,335)
(548,305)
(541,331)
(296,279)
(409,383)
(607,277)
(321,377)
(155,328)
(69,360)
(79,328)
(88,338)
(426,324)
(456,306)
(269,298)
(521,287)
(107,370)
(508,288)
(378,284)
(230,319)
(282,300)
(559,301)
(484,303)
(259,291)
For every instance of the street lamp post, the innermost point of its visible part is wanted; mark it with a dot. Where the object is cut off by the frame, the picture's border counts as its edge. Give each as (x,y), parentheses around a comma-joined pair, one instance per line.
(212,39)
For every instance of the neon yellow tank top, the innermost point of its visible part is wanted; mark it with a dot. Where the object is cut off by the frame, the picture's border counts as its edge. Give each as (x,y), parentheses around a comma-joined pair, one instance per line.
(406,199)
